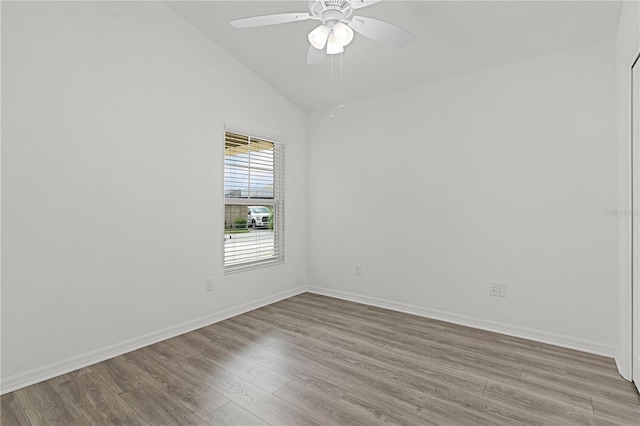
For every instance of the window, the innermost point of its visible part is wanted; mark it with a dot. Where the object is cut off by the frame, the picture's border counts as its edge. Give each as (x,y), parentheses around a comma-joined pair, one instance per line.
(254,202)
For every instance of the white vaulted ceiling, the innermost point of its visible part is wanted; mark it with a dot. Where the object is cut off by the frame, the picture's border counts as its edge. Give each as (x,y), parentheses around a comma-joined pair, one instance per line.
(451,38)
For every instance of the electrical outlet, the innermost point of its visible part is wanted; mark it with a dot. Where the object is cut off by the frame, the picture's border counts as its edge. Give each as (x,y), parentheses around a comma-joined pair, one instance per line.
(358,269)
(497,289)
(208,284)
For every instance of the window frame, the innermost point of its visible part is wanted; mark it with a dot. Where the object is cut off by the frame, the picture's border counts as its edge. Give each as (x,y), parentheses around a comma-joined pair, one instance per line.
(277,203)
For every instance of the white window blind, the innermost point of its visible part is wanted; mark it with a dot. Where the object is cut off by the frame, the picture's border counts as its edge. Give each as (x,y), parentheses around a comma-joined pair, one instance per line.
(254,202)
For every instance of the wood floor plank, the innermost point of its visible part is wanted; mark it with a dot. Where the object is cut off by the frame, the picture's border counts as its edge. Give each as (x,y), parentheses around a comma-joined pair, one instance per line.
(358,372)
(506,365)
(444,361)
(281,322)
(11,412)
(302,370)
(257,401)
(257,337)
(350,367)
(446,412)
(409,328)
(451,356)
(364,335)
(44,404)
(309,298)
(98,403)
(568,356)
(626,414)
(332,300)
(232,414)
(426,365)
(582,386)
(479,411)
(490,349)
(71,375)
(313,359)
(403,360)
(337,356)
(471,333)
(331,321)
(349,342)
(436,386)
(553,350)
(160,408)
(257,374)
(284,327)
(568,396)
(493,411)
(268,309)
(192,394)
(396,317)
(441,379)
(119,375)
(214,330)
(169,351)
(328,409)
(607,380)
(359,314)
(536,405)
(387,408)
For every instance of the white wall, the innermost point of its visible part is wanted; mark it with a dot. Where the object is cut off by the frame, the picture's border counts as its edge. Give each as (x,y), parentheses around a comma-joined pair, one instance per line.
(500,175)
(627,49)
(113,116)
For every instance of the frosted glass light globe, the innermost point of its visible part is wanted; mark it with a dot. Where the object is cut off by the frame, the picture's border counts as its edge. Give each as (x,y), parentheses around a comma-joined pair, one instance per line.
(318,37)
(333,46)
(343,33)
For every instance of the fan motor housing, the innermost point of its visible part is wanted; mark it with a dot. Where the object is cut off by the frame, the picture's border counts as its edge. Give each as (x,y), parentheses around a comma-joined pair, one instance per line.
(330,10)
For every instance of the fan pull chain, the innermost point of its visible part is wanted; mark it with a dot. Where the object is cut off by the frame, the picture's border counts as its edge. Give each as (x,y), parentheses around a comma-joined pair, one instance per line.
(332,74)
(341,106)
(340,89)
(332,115)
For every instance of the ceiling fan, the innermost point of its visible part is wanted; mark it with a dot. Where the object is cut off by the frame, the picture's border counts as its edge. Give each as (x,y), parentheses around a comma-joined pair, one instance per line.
(336,30)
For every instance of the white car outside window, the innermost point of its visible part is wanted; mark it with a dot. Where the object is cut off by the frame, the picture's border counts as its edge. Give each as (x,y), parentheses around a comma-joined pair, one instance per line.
(258,216)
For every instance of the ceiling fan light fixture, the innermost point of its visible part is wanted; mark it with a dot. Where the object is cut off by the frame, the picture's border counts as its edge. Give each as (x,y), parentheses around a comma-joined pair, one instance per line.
(337,28)
(318,37)
(343,33)
(333,46)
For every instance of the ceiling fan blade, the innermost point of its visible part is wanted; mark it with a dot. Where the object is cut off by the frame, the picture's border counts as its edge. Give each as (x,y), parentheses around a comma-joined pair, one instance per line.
(261,21)
(359,4)
(315,56)
(381,31)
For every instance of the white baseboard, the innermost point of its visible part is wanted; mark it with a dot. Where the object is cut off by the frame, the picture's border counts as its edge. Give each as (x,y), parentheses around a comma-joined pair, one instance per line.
(624,366)
(47,372)
(636,382)
(497,327)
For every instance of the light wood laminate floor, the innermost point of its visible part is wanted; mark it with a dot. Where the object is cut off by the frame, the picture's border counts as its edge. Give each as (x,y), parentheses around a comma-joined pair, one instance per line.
(317,360)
